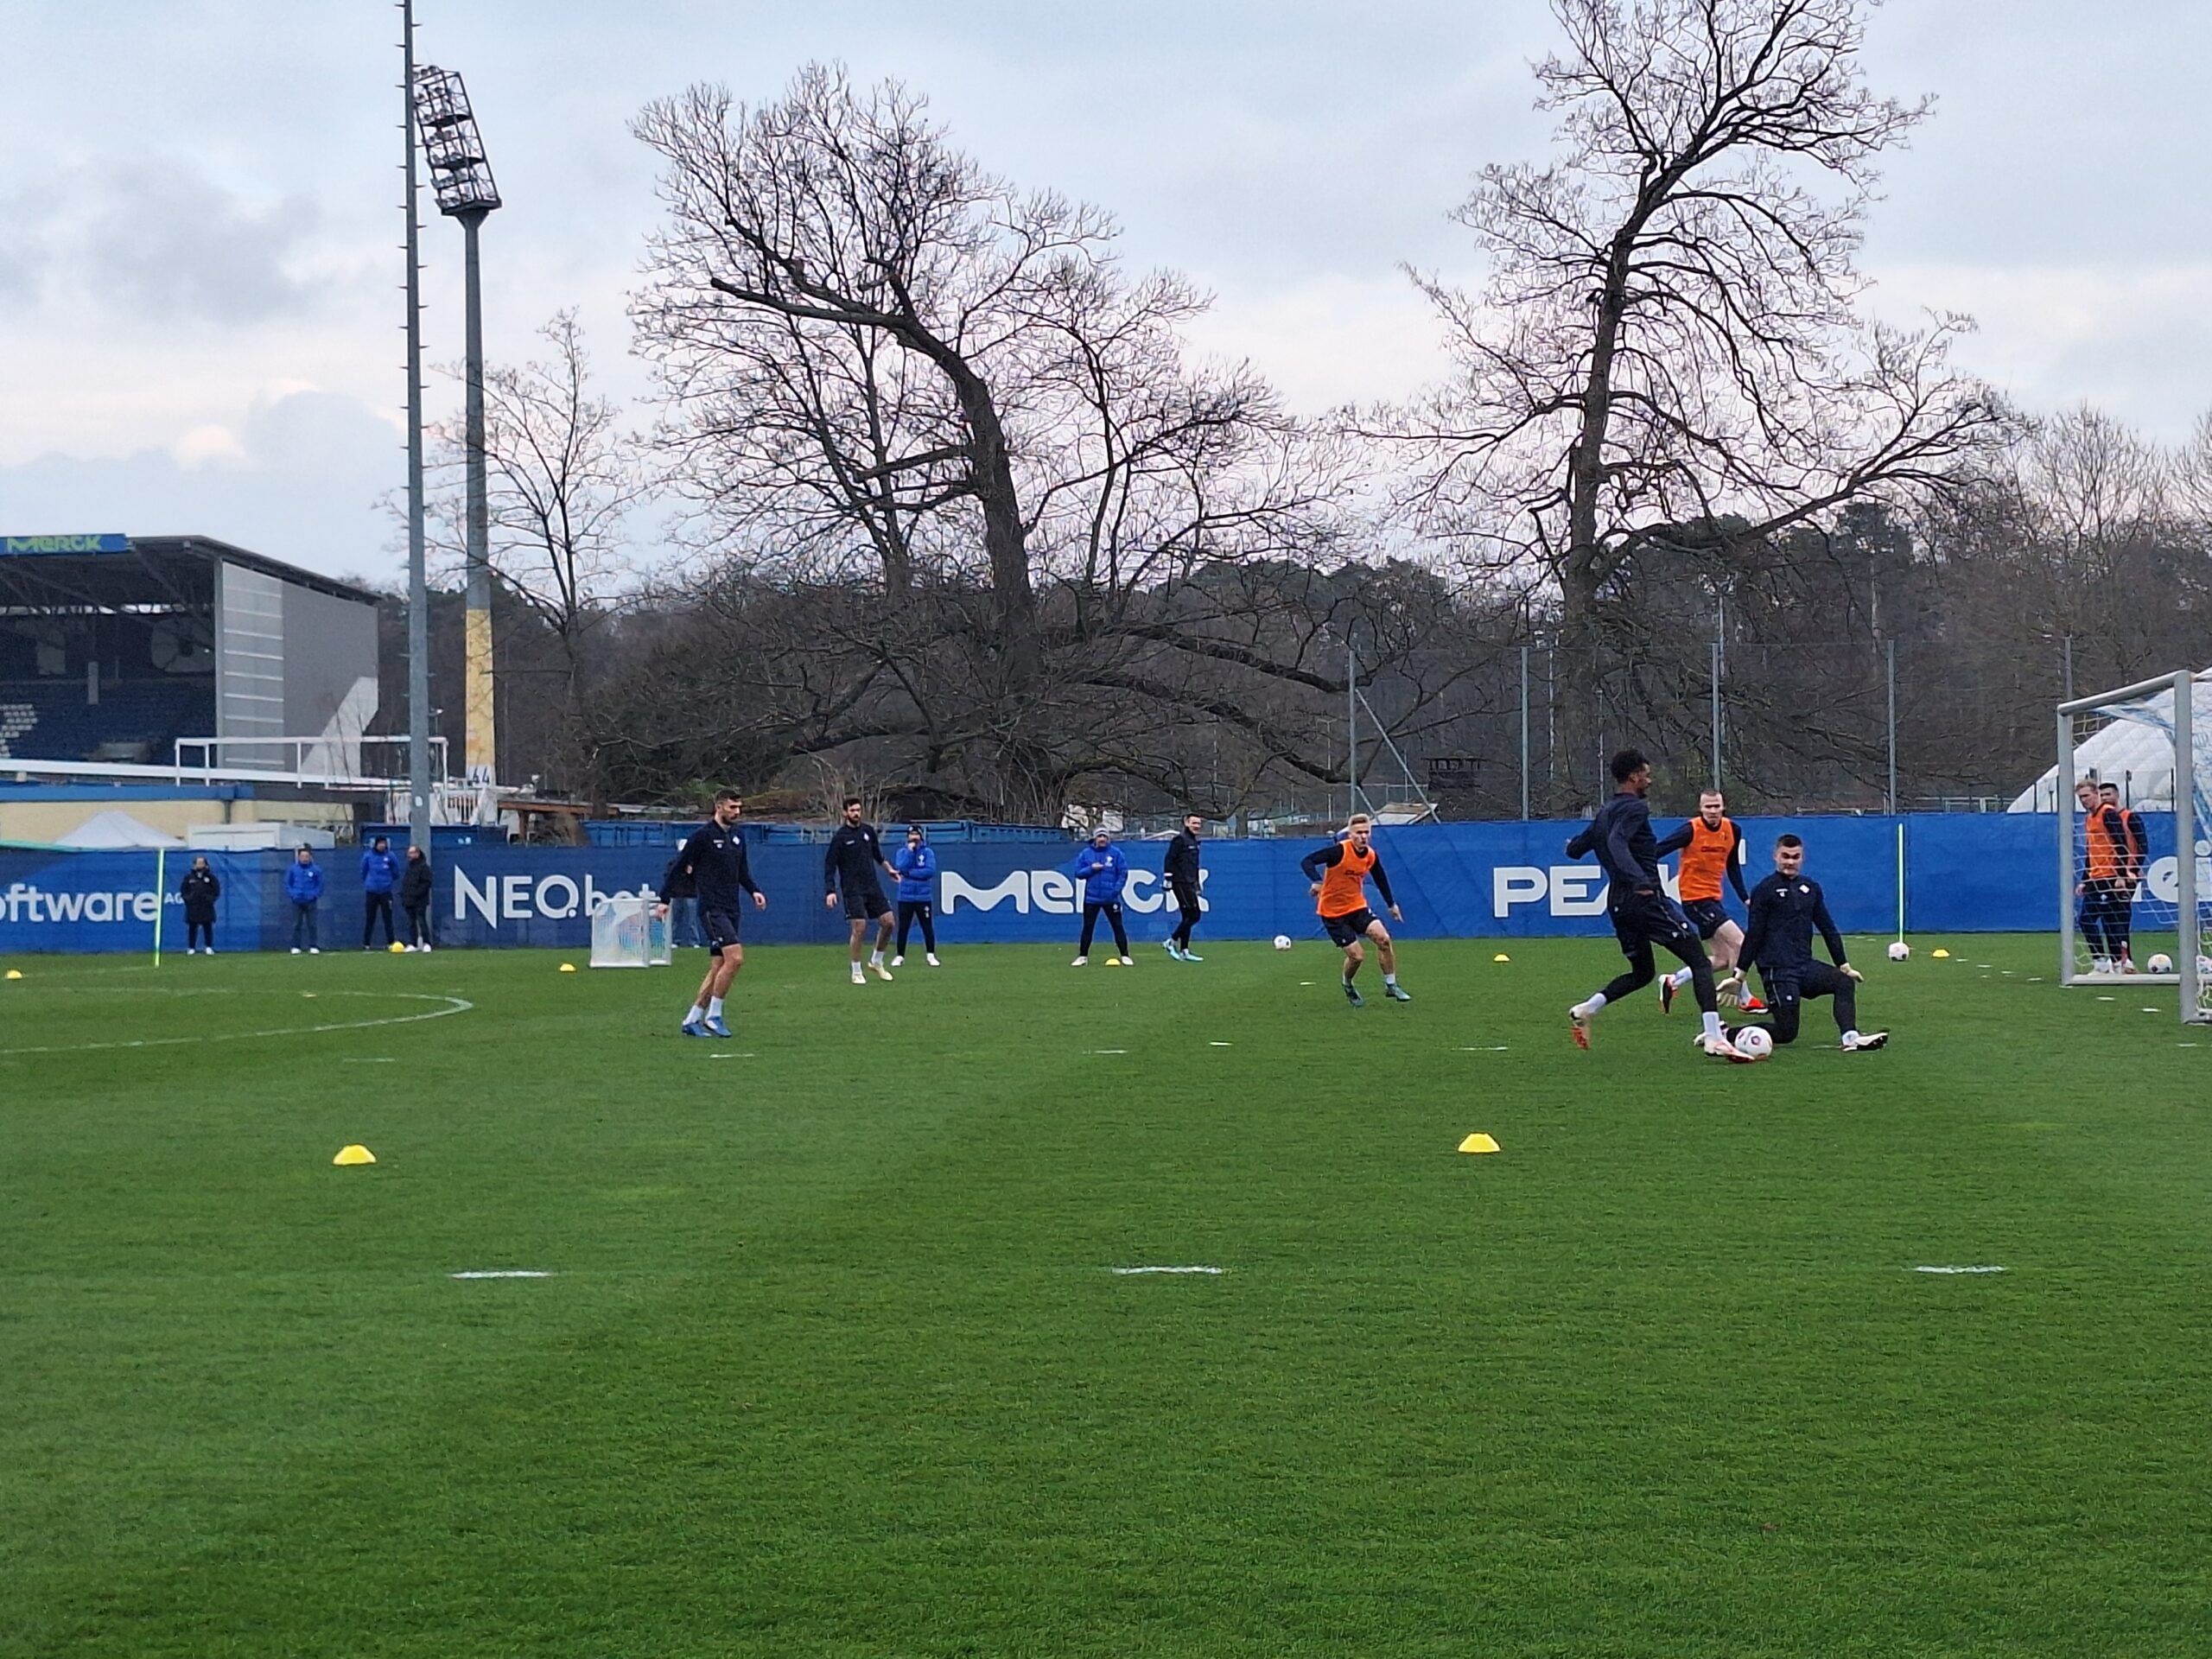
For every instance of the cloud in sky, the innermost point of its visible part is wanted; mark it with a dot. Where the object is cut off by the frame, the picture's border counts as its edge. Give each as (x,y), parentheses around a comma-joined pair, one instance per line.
(219,244)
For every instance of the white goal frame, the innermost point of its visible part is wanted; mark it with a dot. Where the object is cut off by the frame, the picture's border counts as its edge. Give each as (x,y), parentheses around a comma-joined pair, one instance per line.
(2190,946)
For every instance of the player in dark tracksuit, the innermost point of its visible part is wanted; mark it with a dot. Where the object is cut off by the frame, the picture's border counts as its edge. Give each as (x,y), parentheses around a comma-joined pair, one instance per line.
(715,858)
(1637,904)
(851,863)
(1181,869)
(1786,908)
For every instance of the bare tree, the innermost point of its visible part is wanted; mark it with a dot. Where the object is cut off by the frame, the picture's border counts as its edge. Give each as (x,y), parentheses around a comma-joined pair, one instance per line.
(883,363)
(562,476)
(1671,332)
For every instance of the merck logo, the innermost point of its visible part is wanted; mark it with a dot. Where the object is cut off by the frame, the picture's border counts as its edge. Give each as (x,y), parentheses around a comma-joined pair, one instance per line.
(1056,893)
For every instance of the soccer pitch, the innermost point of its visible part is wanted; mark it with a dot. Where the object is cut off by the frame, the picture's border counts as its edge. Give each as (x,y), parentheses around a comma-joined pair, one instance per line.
(833,1357)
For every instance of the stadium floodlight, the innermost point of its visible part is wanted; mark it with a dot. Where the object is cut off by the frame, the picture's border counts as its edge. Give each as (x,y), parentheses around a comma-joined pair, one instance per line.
(461,177)
(2152,742)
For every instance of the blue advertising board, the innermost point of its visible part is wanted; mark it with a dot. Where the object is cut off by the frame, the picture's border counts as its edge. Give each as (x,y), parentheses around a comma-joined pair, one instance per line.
(1961,875)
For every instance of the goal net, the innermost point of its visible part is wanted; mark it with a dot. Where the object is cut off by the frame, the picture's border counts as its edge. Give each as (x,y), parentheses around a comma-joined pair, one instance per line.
(624,933)
(2132,789)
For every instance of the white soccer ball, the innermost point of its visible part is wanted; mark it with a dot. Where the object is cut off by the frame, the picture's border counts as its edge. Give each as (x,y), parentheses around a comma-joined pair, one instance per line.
(1899,952)
(1282,941)
(2205,970)
(2161,964)
(1754,1042)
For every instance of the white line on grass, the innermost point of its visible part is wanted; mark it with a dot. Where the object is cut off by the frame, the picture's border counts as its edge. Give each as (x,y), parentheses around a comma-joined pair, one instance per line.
(502,1273)
(1109,1051)
(1220,1045)
(1958,1269)
(1487,1048)
(454,1005)
(1126,1271)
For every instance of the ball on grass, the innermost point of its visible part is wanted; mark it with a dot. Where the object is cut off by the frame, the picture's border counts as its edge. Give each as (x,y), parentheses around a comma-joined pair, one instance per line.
(2161,964)
(1282,941)
(1754,1042)
(1899,952)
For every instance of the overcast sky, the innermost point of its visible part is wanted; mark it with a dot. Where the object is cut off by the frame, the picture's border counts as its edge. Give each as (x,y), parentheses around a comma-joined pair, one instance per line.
(198,315)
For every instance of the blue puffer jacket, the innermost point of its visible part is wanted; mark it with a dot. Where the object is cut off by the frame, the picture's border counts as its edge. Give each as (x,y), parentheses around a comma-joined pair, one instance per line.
(1102,875)
(303,882)
(379,871)
(917,867)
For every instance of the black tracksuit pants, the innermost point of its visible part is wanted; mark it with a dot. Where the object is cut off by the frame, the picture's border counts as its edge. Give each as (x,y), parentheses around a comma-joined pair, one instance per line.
(375,905)
(1787,990)
(916,910)
(1186,900)
(1113,914)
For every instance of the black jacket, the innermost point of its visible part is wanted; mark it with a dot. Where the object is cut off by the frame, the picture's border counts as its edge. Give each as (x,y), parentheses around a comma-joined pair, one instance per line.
(1181,868)
(675,882)
(415,884)
(201,888)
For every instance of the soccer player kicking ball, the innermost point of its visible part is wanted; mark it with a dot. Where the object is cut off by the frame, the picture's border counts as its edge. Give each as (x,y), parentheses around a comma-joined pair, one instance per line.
(856,853)
(1642,913)
(1711,846)
(1785,909)
(715,859)
(1339,874)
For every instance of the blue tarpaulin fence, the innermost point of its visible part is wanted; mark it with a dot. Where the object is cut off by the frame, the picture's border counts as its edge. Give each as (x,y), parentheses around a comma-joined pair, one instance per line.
(1983,873)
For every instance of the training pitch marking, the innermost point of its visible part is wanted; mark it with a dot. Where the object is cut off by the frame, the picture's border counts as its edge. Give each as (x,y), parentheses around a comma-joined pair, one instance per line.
(502,1273)
(1984,1270)
(453,1005)
(1109,1051)
(1125,1272)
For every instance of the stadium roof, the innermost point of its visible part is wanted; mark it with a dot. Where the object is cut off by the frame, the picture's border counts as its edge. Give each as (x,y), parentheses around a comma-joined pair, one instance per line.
(105,571)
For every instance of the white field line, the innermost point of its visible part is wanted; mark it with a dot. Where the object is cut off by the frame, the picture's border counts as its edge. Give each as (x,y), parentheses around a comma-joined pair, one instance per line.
(453,1005)
(1984,1270)
(1125,1272)
(502,1273)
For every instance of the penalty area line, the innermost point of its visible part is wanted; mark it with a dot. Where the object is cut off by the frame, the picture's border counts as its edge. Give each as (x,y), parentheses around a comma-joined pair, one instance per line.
(454,1005)
(1130,1272)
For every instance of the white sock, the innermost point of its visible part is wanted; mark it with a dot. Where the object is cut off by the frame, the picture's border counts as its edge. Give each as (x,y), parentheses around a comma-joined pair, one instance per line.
(697,1014)
(1682,976)
(1851,1036)
(715,1008)
(875,958)
(1597,1001)
(1712,1025)
(1389,979)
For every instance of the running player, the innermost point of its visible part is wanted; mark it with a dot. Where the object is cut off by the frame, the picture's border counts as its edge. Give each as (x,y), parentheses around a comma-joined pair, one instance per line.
(1710,844)
(1338,873)
(1642,913)
(715,859)
(1785,909)
(853,855)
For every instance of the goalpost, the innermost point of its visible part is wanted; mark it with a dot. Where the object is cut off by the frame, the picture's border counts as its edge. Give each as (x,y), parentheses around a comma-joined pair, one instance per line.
(2153,741)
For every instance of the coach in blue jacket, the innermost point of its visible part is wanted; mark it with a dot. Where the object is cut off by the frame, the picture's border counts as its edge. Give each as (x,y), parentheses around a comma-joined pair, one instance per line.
(1103,872)
(303,886)
(379,875)
(915,863)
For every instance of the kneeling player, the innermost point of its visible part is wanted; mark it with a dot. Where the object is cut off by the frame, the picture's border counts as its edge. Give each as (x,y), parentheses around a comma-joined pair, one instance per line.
(1785,909)
(1339,874)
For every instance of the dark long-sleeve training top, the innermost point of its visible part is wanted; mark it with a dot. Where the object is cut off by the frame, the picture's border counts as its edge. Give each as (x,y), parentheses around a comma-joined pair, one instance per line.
(720,870)
(1785,909)
(1621,837)
(852,857)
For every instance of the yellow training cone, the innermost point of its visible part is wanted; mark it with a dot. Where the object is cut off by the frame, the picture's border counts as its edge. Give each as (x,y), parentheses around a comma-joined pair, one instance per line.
(15,973)
(1478,1143)
(1113,962)
(567,967)
(1940,952)
(397,948)
(1501,956)
(354,1155)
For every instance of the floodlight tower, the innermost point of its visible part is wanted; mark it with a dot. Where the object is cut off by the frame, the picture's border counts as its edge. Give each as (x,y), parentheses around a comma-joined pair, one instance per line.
(462,179)
(418,587)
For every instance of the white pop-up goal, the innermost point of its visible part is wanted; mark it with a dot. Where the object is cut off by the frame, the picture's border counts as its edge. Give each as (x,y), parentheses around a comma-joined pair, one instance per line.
(2153,739)
(624,933)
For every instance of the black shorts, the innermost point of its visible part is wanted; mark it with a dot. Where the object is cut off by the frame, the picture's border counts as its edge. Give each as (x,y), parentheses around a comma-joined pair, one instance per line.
(1708,916)
(867,904)
(719,927)
(1343,929)
(1656,919)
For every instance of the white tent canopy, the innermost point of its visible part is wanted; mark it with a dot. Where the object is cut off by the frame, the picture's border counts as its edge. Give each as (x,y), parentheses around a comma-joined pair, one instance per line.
(2137,754)
(110,831)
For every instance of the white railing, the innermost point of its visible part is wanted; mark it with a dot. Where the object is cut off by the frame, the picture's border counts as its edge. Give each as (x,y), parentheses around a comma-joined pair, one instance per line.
(209,751)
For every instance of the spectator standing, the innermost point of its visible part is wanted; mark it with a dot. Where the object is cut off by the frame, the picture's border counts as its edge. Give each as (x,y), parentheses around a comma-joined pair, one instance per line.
(915,863)
(303,886)
(379,876)
(199,890)
(682,890)
(1103,870)
(415,899)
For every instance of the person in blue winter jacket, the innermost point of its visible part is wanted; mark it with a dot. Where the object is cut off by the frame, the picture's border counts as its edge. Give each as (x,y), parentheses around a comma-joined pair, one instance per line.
(1103,872)
(379,875)
(303,886)
(915,863)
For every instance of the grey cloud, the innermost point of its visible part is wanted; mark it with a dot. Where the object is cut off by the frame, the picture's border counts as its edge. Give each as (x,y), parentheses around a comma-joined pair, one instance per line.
(169,241)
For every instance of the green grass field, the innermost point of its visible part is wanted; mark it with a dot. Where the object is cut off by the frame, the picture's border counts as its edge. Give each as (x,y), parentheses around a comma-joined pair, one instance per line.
(831,1359)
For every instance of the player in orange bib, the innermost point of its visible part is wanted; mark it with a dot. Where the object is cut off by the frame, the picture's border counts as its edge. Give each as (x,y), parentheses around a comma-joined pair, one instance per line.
(1711,847)
(1339,874)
